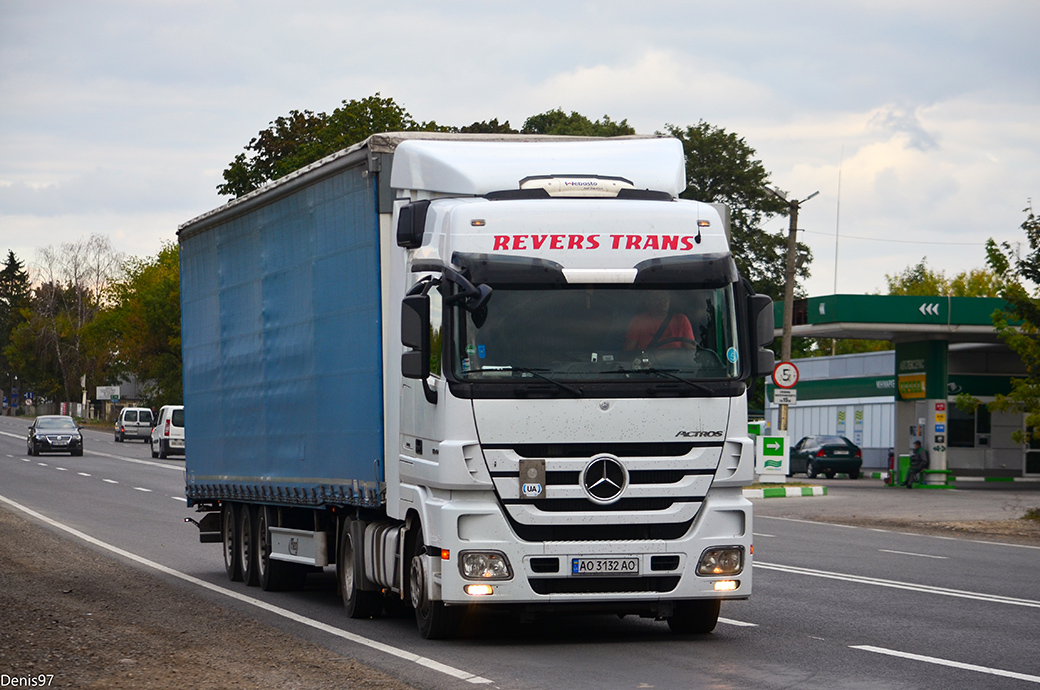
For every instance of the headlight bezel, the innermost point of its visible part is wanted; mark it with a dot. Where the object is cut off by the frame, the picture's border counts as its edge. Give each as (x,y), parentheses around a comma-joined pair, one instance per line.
(721,561)
(481,565)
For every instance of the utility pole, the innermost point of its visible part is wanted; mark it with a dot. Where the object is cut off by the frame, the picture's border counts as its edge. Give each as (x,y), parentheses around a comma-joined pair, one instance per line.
(792,249)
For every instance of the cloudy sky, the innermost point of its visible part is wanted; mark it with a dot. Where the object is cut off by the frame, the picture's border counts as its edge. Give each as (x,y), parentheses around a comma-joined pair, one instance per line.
(917,121)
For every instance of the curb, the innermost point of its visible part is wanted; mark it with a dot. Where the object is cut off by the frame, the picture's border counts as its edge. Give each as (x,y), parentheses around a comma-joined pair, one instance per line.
(786,492)
(882,475)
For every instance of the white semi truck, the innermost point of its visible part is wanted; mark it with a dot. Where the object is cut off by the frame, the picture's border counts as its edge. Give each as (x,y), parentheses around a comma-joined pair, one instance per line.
(476,370)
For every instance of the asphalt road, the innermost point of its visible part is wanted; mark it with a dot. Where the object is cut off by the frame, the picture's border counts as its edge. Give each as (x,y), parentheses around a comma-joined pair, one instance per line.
(833,606)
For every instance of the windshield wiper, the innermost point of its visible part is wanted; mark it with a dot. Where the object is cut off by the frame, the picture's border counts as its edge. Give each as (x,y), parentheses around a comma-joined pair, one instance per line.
(668,373)
(534,372)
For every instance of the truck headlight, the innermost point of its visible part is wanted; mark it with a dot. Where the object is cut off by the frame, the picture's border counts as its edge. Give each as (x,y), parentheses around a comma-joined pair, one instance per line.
(484,565)
(723,560)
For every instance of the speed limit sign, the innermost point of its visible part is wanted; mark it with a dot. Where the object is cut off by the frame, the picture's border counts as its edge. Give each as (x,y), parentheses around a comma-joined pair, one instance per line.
(785,375)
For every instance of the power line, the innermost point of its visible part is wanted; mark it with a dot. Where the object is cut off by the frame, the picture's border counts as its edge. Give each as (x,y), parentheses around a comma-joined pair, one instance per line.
(880,239)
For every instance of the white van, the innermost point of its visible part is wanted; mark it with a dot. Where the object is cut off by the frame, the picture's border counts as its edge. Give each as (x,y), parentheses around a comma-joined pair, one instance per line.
(133,422)
(168,432)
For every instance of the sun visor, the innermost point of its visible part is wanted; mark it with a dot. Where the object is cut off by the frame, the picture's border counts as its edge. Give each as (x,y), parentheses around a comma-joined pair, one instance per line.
(477,168)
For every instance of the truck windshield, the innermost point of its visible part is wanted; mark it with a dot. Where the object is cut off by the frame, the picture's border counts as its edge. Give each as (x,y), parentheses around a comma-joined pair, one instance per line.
(600,333)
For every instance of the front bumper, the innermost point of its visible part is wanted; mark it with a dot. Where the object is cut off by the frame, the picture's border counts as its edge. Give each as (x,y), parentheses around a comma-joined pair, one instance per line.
(542,571)
(58,444)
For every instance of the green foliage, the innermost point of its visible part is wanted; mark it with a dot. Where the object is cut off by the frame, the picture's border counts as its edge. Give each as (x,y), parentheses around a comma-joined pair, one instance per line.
(722,168)
(303,137)
(488,127)
(1019,324)
(575,124)
(15,292)
(921,281)
(145,321)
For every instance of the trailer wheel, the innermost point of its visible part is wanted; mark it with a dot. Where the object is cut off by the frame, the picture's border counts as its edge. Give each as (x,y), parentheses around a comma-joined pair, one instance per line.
(232,562)
(274,575)
(357,602)
(697,616)
(435,620)
(247,543)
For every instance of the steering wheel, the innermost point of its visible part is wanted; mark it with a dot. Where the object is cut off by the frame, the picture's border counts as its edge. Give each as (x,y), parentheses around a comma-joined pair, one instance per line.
(667,341)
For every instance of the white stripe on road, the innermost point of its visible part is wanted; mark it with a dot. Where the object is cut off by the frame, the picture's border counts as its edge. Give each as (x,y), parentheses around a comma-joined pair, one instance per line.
(947,662)
(423,661)
(83,474)
(110,481)
(913,587)
(909,534)
(910,553)
(141,488)
(739,624)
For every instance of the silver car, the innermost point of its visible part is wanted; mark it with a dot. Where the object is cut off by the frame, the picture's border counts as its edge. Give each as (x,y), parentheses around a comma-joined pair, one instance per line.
(134,422)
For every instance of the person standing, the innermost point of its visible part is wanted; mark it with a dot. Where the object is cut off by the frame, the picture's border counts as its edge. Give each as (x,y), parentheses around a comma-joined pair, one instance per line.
(918,463)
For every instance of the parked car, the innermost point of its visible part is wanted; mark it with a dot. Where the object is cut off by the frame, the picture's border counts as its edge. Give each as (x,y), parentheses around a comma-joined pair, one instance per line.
(54,433)
(134,422)
(167,436)
(827,455)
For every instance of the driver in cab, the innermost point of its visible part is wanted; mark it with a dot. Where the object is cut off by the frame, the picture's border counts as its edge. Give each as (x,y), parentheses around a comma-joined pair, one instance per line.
(656,327)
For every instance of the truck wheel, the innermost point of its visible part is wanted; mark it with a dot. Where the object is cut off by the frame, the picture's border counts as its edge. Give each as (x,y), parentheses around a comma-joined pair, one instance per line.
(697,616)
(274,575)
(232,564)
(435,620)
(358,603)
(246,536)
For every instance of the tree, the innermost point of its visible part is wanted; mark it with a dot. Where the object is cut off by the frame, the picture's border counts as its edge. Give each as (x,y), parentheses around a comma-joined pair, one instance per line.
(722,168)
(15,292)
(145,320)
(575,124)
(921,281)
(1018,325)
(54,343)
(303,137)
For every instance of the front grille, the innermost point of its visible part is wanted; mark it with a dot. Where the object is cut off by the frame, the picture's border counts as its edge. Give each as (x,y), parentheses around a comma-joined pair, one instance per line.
(602,585)
(613,532)
(588,450)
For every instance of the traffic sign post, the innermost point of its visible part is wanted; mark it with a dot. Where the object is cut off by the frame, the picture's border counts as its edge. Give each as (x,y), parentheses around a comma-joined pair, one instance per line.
(772,459)
(785,376)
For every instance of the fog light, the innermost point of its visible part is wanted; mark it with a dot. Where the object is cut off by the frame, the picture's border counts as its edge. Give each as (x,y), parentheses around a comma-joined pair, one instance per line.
(484,565)
(726,585)
(479,590)
(723,560)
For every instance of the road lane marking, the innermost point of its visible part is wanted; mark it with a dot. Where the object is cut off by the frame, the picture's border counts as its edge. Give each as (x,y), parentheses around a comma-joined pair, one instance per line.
(83,474)
(894,584)
(426,662)
(908,534)
(739,624)
(150,463)
(42,464)
(141,488)
(110,481)
(61,469)
(947,662)
(911,553)
(182,499)
(759,534)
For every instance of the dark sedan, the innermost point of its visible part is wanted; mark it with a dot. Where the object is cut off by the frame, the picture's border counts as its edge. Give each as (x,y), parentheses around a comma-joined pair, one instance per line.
(54,434)
(826,455)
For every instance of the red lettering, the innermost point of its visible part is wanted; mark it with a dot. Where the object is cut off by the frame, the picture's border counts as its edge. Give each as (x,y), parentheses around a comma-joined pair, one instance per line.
(687,243)
(593,241)
(574,242)
(501,242)
(556,242)
(651,242)
(519,241)
(670,242)
(633,242)
(617,240)
(538,240)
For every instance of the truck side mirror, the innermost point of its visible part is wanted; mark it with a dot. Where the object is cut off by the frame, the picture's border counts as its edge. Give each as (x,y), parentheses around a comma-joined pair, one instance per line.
(415,333)
(411,222)
(760,309)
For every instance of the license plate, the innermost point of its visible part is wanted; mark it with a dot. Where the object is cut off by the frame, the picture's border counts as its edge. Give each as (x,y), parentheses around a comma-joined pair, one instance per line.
(59,442)
(604,566)
(841,452)
(176,443)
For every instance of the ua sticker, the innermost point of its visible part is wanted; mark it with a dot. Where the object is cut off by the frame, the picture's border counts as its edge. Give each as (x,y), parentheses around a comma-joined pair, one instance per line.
(731,355)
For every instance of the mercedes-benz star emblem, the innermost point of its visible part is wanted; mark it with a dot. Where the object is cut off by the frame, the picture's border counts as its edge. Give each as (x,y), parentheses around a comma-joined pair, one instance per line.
(604,479)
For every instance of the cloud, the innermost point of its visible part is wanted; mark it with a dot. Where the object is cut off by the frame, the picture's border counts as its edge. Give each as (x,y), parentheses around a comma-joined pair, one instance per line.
(907,123)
